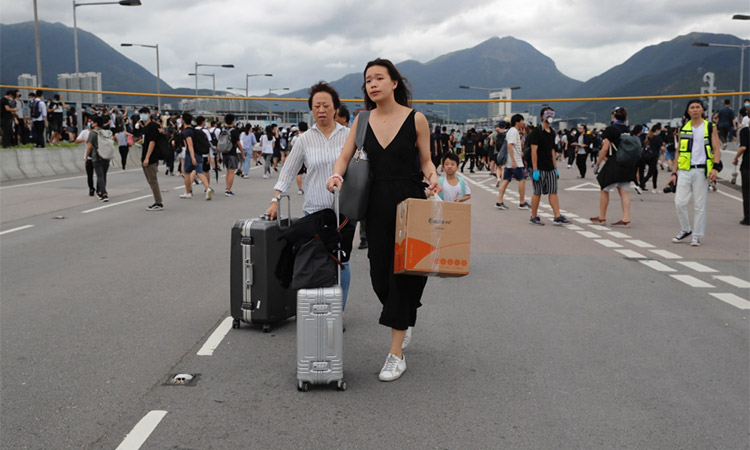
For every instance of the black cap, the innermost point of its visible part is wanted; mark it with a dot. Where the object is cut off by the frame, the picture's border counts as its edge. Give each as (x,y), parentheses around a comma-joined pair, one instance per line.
(502,124)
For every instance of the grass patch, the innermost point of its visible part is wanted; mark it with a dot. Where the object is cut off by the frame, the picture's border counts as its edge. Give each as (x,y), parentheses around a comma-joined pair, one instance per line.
(60,145)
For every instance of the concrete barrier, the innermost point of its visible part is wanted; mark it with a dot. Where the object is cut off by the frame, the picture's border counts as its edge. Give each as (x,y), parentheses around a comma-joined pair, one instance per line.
(26,162)
(41,161)
(72,159)
(55,161)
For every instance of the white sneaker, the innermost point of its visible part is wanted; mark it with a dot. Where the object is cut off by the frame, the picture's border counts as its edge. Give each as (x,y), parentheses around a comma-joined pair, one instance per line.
(407,338)
(695,242)
(209,194)
(186,195)
(393,368)
(265,176)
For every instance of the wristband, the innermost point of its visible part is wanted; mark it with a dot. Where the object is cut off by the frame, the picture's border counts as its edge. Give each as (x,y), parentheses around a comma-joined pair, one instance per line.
(274,200)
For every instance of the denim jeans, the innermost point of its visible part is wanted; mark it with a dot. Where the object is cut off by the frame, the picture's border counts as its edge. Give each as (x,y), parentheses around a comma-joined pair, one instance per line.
(246,162)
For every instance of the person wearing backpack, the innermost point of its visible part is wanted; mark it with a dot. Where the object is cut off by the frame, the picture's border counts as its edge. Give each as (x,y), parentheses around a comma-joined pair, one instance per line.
(227,149)
(196,145)
(497,141)
(453,187)
(614,175)
(514,167)
(698,162)
(38,113)
(100,147)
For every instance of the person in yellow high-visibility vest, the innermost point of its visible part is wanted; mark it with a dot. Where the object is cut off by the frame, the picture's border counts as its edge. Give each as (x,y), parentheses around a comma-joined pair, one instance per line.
(698,162)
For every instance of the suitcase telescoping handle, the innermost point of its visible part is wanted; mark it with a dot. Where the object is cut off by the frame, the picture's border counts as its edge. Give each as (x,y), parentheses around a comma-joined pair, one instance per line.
(288,210)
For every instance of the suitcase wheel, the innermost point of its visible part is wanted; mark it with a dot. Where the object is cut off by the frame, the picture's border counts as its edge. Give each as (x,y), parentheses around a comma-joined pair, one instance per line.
(303,386)
(341,386)
(266,327)
(236,324)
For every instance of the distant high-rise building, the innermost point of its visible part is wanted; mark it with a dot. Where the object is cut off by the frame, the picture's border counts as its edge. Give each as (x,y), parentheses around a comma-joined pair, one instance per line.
(26,79)
(89,81)
(499,111)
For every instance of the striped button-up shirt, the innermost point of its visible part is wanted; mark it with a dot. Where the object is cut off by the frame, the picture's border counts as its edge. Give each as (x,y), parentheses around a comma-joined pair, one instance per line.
(318,154)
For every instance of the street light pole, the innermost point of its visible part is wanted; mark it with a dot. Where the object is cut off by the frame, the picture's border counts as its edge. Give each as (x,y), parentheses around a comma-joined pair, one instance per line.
(247,89)
(158,73)
(270,110)
(38,48)
(225,66)
(742,48)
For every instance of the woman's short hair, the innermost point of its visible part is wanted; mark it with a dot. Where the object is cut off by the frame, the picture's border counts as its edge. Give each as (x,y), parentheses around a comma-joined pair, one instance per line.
(324,87)
(402,94)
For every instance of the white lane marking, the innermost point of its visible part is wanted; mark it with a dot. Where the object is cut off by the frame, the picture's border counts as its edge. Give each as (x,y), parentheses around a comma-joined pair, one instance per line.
(589,234)
(488,179)
(631,254)
(697,267)
(734,281)
(571,215)
(15,229)
(617,234)
(585,187)
(666,254)
(216,337)
(641,244)
(730,196)
(62,179)
(547,215)
(607,243)
(733,300)
(142,430)
(115,204)
(692,281)
(598,227)
(580,220)
(574,228)
(659,267)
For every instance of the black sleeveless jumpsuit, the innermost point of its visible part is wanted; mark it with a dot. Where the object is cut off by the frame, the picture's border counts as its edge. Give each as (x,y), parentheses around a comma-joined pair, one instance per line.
(396,177)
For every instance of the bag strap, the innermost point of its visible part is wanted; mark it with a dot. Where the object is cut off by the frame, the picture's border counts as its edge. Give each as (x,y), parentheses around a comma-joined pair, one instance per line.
(359,139)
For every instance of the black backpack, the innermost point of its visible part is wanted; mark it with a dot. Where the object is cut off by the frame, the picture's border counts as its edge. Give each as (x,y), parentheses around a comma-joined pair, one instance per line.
(200,142)
(35,110)
(162,148)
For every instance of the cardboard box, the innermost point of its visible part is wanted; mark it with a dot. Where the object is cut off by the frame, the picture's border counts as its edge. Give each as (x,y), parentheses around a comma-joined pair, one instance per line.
(432,238)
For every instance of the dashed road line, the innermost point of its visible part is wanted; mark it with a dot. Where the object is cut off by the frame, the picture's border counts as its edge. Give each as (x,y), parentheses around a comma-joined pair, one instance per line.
(692,281)
(546,215)
(16,229)
(734,281)
(574,228)
(639,243)
(607,243)
(216,337)
(631,254)
(732,299)
(665,254)
(730,196)
(589,234)
(142,430)
(697,267)
(617,234)
(36,183)
(580,220)
(656,265)
(598,227)
(115,204)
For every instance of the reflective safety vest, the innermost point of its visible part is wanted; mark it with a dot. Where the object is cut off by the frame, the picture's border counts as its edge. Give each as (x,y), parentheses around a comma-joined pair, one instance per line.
(686,146)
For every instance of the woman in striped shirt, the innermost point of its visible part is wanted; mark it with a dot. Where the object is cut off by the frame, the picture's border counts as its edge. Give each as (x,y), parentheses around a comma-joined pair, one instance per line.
(318,149)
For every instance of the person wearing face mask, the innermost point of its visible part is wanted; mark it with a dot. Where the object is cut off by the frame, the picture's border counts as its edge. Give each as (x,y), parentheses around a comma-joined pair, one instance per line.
(544,166)
(83,138)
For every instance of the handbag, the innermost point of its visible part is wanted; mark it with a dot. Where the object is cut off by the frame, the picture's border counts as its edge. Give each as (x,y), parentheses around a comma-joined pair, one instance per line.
(355,192)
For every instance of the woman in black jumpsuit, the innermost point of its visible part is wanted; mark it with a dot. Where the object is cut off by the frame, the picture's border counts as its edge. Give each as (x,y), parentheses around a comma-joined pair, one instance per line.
(399,168)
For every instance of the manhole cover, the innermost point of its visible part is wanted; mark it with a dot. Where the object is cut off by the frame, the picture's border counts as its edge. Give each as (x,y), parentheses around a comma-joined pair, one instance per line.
(182,379)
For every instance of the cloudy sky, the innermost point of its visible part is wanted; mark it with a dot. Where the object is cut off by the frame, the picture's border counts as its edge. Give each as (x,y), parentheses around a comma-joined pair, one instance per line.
(301,42)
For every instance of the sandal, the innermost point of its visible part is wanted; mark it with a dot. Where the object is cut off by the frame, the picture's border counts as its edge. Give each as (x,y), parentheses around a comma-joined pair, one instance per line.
(621,223)
(598,220)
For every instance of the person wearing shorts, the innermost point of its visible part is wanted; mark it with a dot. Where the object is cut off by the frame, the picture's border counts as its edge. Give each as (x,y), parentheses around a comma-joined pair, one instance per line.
(514,163)
(193,159)
(544,165)
(232,159)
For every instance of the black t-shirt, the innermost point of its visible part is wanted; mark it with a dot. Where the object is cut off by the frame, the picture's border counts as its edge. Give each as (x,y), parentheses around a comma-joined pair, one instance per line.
(612,134)
(545,142)
(726,116)
(745,142)
(234,135)
(654,145)
(5,115)
(150,134)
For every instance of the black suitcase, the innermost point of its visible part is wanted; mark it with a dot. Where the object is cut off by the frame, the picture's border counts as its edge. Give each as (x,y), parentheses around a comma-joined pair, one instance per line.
(256,295)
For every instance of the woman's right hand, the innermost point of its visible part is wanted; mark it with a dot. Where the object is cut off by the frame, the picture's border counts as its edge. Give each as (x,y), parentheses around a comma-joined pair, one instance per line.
(271,211)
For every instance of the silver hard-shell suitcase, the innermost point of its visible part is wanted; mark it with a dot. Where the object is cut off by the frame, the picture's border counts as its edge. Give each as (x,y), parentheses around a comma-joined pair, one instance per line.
(320,334)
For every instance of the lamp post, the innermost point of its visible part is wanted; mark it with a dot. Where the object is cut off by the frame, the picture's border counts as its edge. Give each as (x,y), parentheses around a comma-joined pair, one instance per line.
(742,48)
(38,48)
(270,111)
(670,106)
(195,73)
(79,115)
(158,74)
(247,89)
(213,77)
(505,94)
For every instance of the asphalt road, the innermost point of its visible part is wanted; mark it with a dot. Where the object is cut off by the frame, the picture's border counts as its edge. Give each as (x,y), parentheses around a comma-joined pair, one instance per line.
(561,337)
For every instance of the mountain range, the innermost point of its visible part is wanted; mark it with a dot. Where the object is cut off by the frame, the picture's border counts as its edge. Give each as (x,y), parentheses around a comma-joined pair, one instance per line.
(672,67)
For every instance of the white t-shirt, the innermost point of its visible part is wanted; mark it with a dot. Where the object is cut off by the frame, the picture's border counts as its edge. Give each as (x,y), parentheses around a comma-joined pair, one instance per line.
(267,145)
(451,193)
(698,152)
(514,137)
(746,121)
(84,135)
